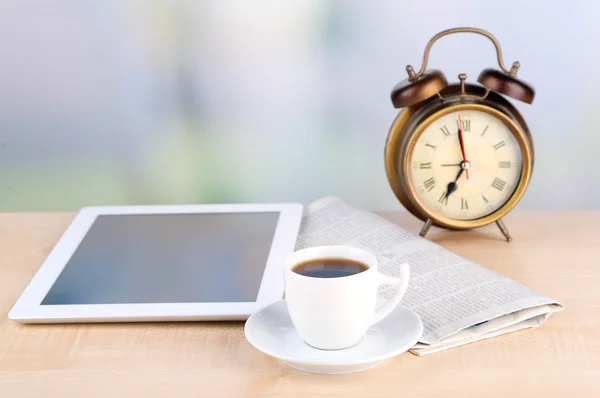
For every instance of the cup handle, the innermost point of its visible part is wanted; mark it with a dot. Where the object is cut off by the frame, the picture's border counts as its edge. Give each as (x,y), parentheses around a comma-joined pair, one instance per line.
(402,283)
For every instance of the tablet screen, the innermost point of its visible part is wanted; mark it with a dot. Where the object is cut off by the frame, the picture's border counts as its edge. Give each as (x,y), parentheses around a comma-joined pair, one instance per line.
(168,258)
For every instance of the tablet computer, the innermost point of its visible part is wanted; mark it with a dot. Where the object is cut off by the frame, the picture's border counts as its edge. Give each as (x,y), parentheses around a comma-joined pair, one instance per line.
(163,263)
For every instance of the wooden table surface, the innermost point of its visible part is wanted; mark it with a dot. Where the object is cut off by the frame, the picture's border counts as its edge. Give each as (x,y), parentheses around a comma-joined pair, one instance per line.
(555,253)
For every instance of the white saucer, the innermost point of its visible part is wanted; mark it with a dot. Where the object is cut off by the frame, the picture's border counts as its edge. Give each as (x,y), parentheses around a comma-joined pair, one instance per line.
(270,330)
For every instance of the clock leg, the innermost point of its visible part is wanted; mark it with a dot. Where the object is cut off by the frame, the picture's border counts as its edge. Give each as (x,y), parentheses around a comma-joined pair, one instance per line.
(504,230)
(426,227)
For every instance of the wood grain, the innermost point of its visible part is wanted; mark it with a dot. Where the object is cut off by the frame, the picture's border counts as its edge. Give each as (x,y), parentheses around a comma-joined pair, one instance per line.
(555,253)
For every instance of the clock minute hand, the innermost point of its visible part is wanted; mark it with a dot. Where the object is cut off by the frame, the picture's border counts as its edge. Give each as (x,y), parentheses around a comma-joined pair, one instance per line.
(462,142)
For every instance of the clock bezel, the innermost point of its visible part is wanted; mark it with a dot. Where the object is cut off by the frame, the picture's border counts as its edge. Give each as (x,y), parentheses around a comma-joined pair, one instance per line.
(411,123)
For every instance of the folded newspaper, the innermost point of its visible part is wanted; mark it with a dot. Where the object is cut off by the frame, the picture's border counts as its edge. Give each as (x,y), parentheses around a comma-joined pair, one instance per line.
(459,301)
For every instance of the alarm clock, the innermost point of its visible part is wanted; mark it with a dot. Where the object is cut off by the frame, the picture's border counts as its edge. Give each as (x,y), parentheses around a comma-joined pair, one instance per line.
(459,155)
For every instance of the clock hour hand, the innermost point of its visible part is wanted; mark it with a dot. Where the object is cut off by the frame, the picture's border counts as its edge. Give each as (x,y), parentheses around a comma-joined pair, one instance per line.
(453,186)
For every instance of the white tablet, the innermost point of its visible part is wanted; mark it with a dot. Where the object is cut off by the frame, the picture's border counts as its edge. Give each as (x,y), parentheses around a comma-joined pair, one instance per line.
(163,263)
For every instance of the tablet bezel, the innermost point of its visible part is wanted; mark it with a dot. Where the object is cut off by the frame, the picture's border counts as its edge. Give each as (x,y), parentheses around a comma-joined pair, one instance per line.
(28,308)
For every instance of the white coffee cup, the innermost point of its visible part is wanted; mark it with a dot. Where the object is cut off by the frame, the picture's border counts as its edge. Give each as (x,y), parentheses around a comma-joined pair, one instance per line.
(335,313)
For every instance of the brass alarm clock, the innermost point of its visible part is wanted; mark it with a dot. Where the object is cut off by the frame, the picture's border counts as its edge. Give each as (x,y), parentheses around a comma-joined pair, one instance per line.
(460,156)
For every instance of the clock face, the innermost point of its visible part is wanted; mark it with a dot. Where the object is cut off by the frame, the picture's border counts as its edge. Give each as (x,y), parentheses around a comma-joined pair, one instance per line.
(465,190)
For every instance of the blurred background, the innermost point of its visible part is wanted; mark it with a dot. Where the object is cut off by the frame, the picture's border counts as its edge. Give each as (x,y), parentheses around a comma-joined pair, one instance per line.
(155,102)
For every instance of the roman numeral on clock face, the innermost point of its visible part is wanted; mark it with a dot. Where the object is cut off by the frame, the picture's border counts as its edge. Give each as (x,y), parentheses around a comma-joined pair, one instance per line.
(444,198)
(485,199)
(426,165)
(466,125)
(429,145)
(499,145)
(429,183)
(445,130)
(498,184)
(463,204)
(504,165)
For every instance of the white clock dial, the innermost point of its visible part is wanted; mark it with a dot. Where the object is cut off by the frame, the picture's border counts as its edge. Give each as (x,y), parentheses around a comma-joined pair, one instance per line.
(494,165)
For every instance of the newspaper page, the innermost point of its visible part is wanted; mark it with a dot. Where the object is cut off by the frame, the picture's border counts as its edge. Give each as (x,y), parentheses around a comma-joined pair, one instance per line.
(458,300)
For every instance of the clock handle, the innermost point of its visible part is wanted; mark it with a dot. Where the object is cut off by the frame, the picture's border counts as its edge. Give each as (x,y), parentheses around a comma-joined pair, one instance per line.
(512,72)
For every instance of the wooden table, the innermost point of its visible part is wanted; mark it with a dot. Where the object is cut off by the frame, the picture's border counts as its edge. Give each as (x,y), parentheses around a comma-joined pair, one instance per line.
(555,253)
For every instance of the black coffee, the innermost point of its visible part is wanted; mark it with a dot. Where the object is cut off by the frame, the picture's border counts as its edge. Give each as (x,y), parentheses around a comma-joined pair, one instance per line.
(329,268)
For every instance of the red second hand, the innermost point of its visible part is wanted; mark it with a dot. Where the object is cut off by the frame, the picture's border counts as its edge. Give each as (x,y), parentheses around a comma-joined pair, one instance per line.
(462,144)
